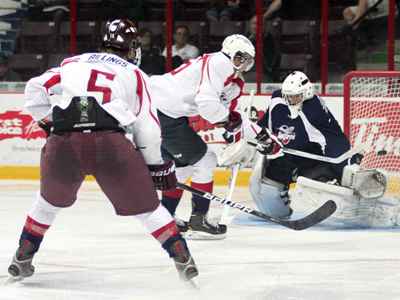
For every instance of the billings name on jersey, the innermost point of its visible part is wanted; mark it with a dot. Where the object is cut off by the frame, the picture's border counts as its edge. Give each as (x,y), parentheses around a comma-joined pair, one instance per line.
(96,58)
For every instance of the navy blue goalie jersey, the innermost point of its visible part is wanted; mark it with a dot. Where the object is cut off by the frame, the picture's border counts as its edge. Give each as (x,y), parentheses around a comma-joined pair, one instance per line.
(313,129)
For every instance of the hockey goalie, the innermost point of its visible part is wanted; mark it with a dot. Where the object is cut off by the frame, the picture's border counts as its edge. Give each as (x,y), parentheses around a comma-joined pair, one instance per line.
(298,119)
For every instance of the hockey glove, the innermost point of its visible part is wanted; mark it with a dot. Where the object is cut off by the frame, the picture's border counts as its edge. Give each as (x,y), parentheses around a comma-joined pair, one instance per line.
(269,144)
(163,175)
(234,122)
(231,137)
(46,126)
(233,126)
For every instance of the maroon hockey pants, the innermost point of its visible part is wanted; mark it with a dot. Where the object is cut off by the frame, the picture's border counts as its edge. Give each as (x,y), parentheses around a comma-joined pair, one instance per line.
(110,157)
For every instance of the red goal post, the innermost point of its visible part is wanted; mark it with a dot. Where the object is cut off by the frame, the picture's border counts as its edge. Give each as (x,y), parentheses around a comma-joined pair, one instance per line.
(372,117)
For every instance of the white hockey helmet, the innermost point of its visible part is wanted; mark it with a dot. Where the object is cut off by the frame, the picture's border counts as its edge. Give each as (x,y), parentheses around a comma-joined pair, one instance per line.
(237,46)
(297,88)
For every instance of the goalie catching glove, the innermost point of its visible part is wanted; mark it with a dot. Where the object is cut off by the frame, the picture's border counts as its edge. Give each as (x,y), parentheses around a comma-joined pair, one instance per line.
(163,175)
(268,144)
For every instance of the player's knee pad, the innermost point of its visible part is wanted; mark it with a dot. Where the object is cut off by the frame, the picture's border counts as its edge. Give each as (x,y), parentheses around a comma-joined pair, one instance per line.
(267,196)
(155,219)
(204,168)
(42,211)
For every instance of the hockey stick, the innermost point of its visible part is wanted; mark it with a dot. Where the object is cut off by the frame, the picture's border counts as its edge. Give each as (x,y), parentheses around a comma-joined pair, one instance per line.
(232,182)
(234,171)
(318,215)
(333,160)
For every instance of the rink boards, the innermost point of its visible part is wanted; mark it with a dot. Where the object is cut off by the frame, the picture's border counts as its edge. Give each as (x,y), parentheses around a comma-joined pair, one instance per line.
(21,139)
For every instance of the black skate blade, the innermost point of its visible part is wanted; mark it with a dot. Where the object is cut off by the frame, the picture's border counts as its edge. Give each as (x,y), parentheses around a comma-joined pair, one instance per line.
(202,236)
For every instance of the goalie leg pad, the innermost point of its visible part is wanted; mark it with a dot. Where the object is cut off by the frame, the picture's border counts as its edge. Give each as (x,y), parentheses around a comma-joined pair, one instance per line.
(268,198)
(352,210)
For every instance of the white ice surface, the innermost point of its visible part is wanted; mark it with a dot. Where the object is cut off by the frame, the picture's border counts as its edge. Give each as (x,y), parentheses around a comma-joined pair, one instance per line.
(91,254)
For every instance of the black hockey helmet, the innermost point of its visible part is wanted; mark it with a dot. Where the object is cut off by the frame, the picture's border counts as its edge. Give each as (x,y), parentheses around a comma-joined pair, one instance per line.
(123,35)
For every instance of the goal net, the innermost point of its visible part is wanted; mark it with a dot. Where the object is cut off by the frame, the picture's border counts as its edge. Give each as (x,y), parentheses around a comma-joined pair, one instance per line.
(372,117)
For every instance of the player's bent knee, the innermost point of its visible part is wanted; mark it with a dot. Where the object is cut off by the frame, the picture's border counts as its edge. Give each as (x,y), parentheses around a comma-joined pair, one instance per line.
(155,219)
(42,211)
(208,161)
(204,168)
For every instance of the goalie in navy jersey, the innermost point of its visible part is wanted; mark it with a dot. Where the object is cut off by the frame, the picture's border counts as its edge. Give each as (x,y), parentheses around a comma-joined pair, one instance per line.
(300,120)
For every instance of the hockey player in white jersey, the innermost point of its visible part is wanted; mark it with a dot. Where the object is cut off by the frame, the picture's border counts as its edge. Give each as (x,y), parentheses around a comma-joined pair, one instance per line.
(300,120)
(207,86)
(85,106)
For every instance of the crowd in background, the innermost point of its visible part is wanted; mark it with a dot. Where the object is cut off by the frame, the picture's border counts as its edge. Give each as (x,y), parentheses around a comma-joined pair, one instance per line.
(282,48)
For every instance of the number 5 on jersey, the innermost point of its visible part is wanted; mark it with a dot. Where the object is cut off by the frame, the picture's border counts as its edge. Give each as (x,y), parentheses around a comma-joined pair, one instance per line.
(93,87)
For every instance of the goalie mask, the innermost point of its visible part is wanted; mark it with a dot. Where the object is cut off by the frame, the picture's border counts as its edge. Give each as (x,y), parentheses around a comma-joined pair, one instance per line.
(122,35)
(240,50)
(296,88)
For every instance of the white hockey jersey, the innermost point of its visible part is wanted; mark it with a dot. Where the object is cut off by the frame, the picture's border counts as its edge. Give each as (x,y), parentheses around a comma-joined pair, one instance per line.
(118,86)
(204,86)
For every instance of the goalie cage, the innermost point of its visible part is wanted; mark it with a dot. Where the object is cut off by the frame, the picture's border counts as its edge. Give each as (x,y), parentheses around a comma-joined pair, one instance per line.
(372,117)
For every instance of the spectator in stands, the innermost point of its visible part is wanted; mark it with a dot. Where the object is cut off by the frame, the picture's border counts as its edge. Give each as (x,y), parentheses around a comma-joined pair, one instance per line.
(181,47)
(52,10)
(270,54)
(153,63)
(6,74)
(352,13)
(221,10)
(272,8)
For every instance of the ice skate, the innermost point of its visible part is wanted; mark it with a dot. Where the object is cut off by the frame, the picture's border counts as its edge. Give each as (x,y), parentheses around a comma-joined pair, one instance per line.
(184,262)
(201,229)
(21,265)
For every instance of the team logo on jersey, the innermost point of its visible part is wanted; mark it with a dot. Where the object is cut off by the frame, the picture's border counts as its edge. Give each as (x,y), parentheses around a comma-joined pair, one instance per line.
(286,134)
(178,155)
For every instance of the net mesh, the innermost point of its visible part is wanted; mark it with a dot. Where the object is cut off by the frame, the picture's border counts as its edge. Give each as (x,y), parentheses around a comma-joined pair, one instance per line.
(374,117)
